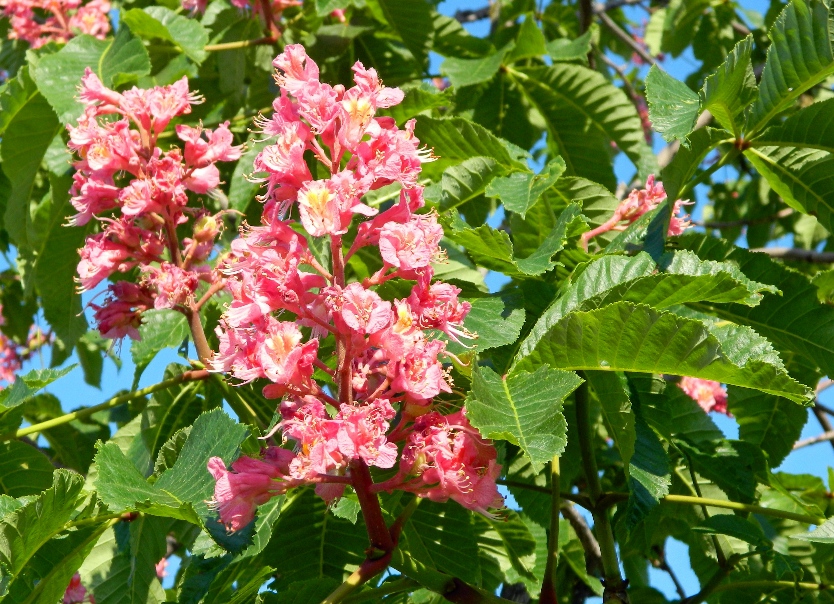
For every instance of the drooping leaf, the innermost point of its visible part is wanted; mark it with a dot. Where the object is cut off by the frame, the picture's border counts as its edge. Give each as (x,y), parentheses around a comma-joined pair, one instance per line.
(673,107)
(518,548)
(734,466)
(114,61)
(810,127)
(161,23)
(824,533)
(799,57)
(521,190)
(624,336)
(583,112)
(523,408)
(466,181)
(728,92)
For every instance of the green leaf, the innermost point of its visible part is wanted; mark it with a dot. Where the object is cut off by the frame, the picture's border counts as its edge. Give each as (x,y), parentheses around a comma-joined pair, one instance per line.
(733,465)
(493,249)
(563,49)
(441,536)
(466,72)
(685,164)
(420,98)
(160,329)
(181,491)
(801,176)
(160,23)
(55,269)
(811,127)
(798,58)
(673,107)
(649,474)
(521,190)
(39,566)
(728,91)
(121,567)
(530,42)
(114,60)
(412,21)
(466,181)
(24,144)
(824,533)
(634,337)
(733,526)
(770,422)
(325,7)
(497,320)
(304,526)
(523,408)
(455,140)
(616,409)
(24,470)
(795,322)
(583,112)
(27,386)
(510,543)
(311,591)
(14,96)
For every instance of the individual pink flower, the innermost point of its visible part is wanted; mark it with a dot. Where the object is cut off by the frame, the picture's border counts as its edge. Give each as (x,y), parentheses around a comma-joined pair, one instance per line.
(250,483)
(413,245)
(285,360)
(358,310)
(419,374)
(160,568)
(638,203)
(76,593)
(319,206)
(709,394)
(361,433)
(436,306)
(445,458)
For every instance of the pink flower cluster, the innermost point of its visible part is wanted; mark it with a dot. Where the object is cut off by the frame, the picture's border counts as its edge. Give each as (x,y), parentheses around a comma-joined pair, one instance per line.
(41,21)
(638,203)
(122,168)
(709,394)
(270,10)
(76,593)
(287,307)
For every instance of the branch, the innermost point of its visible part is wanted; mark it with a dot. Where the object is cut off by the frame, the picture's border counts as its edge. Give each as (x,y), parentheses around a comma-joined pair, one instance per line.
(548,592)
(625,37)
(593,557)
(822,418)
(614,4)
(819,438)
(240,44)
(472,15)
(187,376)
(774,584)
(792,253)
(615,587)
(748,222)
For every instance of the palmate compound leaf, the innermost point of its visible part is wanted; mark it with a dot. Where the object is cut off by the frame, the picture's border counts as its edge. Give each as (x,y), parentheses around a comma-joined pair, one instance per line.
(583,112)
(799,57)
(493,249)
(624,336)
(523,408)
(180,492)
(796,322)
(38,567)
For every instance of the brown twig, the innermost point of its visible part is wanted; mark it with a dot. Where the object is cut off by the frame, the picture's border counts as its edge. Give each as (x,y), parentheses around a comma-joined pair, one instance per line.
(819,438)
(627,38)
(718,224)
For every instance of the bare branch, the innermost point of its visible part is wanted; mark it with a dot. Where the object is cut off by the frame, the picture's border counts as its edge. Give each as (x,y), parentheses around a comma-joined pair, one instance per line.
(627,38)
(819,438)
(472,15)
(593,556)
(748,222)
(791,253)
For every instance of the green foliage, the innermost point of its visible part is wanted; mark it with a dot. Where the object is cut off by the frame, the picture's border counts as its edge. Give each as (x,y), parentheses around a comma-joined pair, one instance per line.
(524,142)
